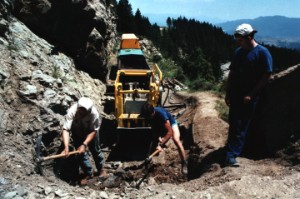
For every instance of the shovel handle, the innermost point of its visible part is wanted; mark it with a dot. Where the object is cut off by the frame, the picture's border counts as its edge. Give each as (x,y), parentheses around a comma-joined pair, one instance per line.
(154,153)
(59,155)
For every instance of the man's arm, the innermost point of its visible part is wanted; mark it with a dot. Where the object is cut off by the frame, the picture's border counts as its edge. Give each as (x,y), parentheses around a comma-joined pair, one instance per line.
(259,86)
(65,138)
(87,140)
(228,87)
(262,82)
(168,135)
(65,135)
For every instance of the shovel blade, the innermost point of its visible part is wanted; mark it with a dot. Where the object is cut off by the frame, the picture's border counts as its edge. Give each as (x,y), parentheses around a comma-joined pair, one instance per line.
(38,152)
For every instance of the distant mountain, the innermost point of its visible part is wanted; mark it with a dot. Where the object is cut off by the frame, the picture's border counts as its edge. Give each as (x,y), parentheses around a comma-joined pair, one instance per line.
(273,30)
(161,19)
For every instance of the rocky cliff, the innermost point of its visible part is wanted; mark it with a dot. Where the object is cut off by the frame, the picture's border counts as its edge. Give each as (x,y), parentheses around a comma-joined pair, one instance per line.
(38,83)
(40,65)
(83,29)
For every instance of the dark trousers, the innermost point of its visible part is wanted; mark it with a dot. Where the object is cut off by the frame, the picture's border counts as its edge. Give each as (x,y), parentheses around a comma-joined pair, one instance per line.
(240,116)
(94,148)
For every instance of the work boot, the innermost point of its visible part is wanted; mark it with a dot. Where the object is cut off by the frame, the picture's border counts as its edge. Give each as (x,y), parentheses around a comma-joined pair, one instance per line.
(184,168)
(102,173)
(85,180)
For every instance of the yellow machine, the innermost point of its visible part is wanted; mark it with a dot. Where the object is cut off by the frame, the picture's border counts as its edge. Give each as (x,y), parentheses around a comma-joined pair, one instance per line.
(136,84)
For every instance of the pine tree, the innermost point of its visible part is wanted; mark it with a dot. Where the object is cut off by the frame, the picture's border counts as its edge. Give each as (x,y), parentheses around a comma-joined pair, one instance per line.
(143,26)
(125,22)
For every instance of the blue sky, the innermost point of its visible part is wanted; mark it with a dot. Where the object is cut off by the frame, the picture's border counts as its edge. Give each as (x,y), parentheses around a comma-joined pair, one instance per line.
(215,11)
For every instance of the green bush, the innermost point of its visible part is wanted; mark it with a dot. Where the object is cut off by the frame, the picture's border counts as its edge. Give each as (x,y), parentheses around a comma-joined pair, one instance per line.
(199,84)
(169,68)
(156,58)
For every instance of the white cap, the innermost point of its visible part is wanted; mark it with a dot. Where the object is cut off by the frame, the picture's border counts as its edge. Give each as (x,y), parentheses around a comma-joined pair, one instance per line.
(86,103)
(244,30)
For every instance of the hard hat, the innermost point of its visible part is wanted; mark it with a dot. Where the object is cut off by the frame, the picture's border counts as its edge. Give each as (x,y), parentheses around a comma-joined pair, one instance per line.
(86,103)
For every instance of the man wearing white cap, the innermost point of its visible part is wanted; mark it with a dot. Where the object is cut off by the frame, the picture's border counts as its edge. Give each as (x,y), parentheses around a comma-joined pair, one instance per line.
(250,71)
(83,121)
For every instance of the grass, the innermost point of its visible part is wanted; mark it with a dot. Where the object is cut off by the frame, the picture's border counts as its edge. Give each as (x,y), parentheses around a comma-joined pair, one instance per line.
(223,110)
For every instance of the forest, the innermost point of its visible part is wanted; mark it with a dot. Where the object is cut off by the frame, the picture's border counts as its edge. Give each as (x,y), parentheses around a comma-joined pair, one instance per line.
(193,51)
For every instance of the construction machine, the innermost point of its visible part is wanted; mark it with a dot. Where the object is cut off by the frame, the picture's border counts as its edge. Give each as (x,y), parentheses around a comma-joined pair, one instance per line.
(136,83)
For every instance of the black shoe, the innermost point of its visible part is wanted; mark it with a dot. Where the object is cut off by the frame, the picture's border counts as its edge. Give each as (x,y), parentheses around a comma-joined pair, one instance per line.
(231,162)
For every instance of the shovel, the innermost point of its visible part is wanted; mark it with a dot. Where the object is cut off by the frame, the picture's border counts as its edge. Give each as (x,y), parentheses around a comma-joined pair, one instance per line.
(39,159)
(150,157)
(42,159)
(149,168)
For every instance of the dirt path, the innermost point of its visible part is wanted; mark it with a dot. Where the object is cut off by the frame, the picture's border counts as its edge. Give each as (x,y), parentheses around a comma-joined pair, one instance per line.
(253,179)
(209,179)
(209,130)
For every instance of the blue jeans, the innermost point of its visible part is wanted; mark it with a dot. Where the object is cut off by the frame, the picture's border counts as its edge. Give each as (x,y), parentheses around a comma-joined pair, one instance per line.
(94,147)
(240,116)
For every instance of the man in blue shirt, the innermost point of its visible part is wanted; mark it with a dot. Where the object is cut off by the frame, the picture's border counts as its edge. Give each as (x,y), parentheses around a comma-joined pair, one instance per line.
(166,127)
(250,71)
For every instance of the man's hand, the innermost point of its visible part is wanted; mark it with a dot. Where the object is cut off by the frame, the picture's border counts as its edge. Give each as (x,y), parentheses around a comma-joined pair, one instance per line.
(66,152)
(160,140)
(247,99)
(159,148)
(81,149)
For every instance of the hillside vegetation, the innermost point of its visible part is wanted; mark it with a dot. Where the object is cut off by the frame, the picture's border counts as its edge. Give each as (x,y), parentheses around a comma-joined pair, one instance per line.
(194,50)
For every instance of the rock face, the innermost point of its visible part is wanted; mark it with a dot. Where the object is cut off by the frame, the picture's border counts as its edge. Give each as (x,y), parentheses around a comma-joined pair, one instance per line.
(276,122)
(281,114)
(83,29)
(37,86)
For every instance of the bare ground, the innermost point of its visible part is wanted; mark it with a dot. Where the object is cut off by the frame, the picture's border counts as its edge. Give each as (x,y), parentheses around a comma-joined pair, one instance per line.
(203,134)
(208,178)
